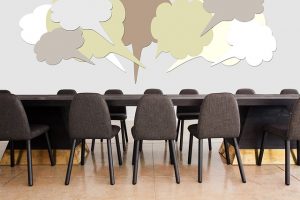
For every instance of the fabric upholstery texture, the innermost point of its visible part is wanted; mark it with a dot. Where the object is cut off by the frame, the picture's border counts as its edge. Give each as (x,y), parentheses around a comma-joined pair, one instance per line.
(289,91)
(14,124)
(153,91)
(245,91)
(66,92)
(218,118)
(89,118)
(5,92)
(116,112)
(154,119)
(188,112)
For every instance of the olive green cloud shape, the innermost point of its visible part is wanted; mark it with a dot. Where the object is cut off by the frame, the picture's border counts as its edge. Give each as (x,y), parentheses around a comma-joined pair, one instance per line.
(177,28)
(97,46)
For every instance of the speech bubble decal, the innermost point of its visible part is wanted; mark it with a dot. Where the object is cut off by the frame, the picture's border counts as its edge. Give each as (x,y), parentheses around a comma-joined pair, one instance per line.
(178,26)
(34,24)
(227,10)
(85,14)
(49,47)
(137,25)
(251,41)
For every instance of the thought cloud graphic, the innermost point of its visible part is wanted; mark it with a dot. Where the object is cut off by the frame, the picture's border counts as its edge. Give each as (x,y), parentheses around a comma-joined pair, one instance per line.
(85,14)
(250,41)
(49,47)
(34,24)
(137,25)
(96,46)
(218,46)
(228,10)
(178,26)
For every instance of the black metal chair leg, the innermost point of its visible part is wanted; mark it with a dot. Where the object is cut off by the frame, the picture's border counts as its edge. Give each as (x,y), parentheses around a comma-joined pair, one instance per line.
(136,163)
(118,150)
(70,164)
(134,152)
(101,140)
(52,160)
(110,162)
(12,153)
(190,149)
(226,151)
(174,158)
(123,137)
(82,151)
(262,149)
(209,144)
(287,162)
(177,130)
(125,130)
(181,135)
(298,152)
(93,146)
(29,163)
(238,156)
(200,160)
(141,145)
(171,156)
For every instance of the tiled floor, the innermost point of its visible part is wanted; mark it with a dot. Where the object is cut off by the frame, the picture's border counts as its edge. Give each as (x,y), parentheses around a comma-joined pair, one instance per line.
(155,180)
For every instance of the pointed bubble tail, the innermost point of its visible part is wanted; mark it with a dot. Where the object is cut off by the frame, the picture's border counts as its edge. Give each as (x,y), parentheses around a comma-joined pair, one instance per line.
(82,57)
(100,30)
(114,60)
(178,63)
(136,72)
(215,20)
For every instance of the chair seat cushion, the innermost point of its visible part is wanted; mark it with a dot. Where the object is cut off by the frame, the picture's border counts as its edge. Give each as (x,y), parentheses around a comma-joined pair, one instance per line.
(118,116)
(38,129)
(277,129)
(115,130)
(193,129)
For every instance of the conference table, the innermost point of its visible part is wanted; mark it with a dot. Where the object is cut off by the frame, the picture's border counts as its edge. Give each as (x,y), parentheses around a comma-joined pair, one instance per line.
(256,110)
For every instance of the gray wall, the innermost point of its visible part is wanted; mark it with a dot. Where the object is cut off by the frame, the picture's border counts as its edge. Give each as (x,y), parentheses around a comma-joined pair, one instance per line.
(22,74)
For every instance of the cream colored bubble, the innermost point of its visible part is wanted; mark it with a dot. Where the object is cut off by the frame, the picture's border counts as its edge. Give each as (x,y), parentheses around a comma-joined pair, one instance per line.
(177,28)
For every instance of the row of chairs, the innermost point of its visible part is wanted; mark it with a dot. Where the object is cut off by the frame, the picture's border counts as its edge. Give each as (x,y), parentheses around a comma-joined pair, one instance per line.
(155,120)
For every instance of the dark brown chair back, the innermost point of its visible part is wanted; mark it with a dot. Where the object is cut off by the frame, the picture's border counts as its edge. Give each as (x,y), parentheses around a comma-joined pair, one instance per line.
(153,91)
(188,109)
(66,92)
(116,109)
(13,119)
(89,117)
(219,117)
(154,119)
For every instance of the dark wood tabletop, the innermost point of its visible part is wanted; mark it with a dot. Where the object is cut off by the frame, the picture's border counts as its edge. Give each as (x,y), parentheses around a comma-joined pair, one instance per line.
(183,100)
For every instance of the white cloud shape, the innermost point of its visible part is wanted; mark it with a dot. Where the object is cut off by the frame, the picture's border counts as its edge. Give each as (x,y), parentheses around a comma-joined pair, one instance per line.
(86,14)
(34,24)
(251,41)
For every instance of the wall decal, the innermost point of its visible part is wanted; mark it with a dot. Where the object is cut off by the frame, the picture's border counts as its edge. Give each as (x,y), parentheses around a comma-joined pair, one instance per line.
(73,14)
(137,25)
(49,47)
(219,31)
(251,41)
(34,24)
(218,46)
(228,10)
(178,26)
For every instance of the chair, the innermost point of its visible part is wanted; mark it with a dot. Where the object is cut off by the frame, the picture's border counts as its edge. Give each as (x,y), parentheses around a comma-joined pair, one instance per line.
(245,91)
(14,126)
(218,118)
(187,113)
(117,113)
(288,131)
(154,120)
(89,119)
(153,91)
(5,92)
(150,91)
(66,92)
(289,91)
